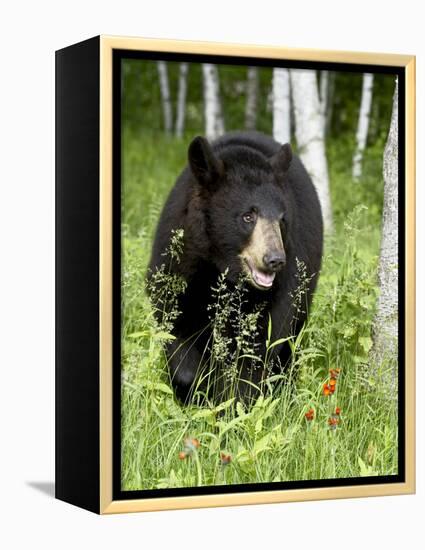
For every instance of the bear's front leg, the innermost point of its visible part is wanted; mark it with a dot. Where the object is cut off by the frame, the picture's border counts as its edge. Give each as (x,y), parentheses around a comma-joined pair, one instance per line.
(184,362)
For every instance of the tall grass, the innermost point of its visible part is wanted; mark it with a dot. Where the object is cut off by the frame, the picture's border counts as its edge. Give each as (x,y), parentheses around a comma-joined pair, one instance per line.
(294,431)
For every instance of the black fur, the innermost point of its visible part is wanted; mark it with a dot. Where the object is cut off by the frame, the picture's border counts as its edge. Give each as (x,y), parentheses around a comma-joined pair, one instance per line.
(208,200)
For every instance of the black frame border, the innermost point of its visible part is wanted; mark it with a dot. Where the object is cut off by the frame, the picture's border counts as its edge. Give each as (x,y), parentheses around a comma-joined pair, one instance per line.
(118,56)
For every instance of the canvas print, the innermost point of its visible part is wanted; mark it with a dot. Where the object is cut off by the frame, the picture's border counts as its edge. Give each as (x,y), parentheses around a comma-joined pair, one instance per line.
(259,274)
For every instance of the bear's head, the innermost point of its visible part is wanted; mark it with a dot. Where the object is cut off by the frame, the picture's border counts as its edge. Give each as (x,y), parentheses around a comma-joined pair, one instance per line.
(244,205)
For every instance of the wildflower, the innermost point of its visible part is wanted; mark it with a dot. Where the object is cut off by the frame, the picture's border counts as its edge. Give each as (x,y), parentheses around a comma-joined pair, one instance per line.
(334,373)
(332,382)
(225,459)
(190,445)
(333,422)
(329,389)
(309,415)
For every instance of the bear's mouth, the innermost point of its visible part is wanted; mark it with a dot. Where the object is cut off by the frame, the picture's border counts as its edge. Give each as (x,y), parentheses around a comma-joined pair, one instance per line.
(258,278)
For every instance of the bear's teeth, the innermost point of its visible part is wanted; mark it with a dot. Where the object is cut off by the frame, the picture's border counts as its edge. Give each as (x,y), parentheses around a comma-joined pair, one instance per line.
(263,279)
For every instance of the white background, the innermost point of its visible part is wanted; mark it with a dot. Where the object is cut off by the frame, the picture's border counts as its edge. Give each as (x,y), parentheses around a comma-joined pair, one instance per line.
(29,33)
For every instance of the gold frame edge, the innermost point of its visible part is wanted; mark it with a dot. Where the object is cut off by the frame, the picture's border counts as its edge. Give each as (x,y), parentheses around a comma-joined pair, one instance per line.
(105,275)
(106,503)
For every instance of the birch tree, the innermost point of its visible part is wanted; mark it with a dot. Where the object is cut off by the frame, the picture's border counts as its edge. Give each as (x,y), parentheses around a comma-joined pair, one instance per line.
(309,133)
(214,123)
(181,99)
(330,101)
(324,90)
(281,105)
(251,98)
(385,328)
(363,124)
(165,96)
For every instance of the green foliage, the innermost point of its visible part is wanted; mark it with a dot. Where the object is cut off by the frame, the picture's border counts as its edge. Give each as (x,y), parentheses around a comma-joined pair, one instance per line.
(273,441)
(346,104)
(142,111)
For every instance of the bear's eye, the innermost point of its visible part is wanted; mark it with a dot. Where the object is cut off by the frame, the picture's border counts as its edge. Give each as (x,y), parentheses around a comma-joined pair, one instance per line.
(249,217)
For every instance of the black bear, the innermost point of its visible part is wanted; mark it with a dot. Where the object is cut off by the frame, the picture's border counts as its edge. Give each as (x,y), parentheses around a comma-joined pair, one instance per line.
(248,209)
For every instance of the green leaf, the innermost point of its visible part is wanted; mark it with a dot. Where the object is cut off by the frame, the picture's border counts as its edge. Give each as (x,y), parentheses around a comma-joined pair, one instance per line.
(270,408)
(226,426)
(365,470)
(140,334)
(161,335)
(243,456)
(269,328)
(259,403)
(203,413)
(240,408)
(259,425)
(366,343)
(224,406)
(280,341)
(262,444)
(157,386)
(349,331)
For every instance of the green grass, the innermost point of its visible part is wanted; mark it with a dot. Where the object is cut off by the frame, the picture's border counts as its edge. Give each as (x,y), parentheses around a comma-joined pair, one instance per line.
(273,441)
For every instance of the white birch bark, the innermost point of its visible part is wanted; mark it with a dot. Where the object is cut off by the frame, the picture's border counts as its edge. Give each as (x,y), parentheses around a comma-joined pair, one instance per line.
(309,133)
(251,98)
(165,96)
(363,124)
(385,328)
(214,123)
(329,107)
(324,90)
(181,99)
(281,106)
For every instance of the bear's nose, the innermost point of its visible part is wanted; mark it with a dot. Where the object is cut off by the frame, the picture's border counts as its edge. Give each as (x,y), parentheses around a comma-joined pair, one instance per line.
(274,260)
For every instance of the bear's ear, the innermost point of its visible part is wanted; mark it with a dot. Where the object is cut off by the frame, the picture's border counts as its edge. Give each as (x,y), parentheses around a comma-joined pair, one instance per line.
(282,159)
(205,166)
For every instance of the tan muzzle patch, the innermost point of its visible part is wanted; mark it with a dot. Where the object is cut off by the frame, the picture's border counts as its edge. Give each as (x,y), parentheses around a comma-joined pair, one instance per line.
(265,239)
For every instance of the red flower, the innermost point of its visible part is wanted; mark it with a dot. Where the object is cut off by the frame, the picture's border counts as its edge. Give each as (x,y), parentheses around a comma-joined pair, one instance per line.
(225,459)
(334,373)
(332,382)
(333,422)
(309,415)
(190,444)
(329,389)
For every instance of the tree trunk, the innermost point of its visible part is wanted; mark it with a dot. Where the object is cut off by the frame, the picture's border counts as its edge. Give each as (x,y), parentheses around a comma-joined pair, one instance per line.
(385,328)
(214,123)
(251,98)
(324,90)
(363,124)
(330,102)
(165,96)
(309,132)
(281,106)
(181,99)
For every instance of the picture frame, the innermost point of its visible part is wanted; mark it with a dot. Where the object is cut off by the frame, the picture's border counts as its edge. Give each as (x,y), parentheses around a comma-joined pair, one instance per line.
(88,275)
